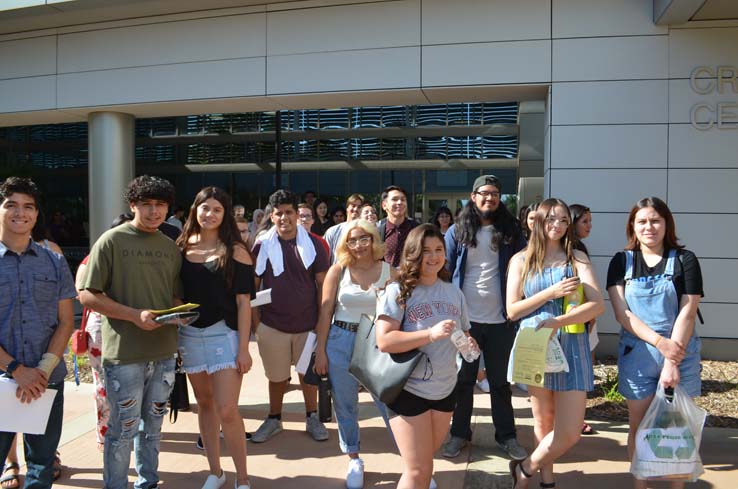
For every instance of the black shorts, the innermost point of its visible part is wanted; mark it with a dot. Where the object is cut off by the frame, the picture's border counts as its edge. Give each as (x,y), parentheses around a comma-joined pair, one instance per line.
(408,404)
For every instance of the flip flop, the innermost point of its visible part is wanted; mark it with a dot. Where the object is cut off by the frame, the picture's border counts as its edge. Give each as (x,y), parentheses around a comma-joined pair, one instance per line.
(13,478)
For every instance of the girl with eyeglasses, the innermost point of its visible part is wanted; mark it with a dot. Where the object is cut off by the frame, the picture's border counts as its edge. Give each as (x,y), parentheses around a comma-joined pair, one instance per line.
(443,219)
(421,309)
(539,278)
(350,290)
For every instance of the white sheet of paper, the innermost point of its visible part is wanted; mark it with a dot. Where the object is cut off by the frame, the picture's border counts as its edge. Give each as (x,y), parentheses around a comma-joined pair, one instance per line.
(263,297)
(302,363)
(24,418)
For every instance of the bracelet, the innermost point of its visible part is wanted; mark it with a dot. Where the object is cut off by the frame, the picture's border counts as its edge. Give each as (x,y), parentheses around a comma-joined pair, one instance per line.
(656,345)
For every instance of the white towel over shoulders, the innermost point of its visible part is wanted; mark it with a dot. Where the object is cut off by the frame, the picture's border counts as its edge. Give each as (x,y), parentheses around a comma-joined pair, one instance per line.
(271,251)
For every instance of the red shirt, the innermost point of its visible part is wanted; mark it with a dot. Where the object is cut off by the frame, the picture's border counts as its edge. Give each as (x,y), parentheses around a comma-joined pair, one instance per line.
(394,240)
(324,242)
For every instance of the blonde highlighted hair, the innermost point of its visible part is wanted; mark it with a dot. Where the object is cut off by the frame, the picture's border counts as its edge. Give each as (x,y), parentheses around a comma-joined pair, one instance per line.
(342,252)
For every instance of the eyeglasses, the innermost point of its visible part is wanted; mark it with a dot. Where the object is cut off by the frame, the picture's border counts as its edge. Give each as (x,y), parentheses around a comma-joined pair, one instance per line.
(552,221)
(363,241)
(485,193)
(305,217)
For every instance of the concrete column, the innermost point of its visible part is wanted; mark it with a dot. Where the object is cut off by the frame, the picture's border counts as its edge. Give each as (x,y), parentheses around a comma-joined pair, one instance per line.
(111,166)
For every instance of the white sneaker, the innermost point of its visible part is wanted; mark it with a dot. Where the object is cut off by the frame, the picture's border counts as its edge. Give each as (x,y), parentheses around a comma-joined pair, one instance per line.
(483,385)
(214,482)
(242,486)
(355,474)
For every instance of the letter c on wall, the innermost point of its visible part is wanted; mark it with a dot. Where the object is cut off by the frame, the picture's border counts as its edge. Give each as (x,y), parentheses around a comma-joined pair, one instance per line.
(708,85)
(693,117)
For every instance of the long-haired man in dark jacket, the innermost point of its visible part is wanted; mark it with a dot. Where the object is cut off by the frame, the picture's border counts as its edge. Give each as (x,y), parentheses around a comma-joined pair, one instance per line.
(478,249)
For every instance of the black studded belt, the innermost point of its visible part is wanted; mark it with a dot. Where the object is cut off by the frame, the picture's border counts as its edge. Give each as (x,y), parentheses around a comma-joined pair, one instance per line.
(353,327)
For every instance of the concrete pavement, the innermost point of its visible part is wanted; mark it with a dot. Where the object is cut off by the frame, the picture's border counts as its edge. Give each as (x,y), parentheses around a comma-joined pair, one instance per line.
(293,460)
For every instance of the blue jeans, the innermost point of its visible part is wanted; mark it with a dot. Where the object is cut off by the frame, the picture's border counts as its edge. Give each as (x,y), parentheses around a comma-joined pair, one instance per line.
(137,394)
(345,389)
(40,449)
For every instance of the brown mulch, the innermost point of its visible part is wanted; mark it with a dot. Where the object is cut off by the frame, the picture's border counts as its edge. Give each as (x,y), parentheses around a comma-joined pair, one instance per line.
(719,391)
(719,394)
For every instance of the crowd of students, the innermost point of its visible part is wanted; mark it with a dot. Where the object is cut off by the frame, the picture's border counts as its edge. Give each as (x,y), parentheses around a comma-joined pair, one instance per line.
(487,274)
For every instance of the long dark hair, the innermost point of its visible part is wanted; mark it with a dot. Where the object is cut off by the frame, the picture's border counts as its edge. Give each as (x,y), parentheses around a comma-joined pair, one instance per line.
(265,224)
(412,259)
(671,242)
(523,218)
(578,211)
(228,233)
(506,230)
(442,210)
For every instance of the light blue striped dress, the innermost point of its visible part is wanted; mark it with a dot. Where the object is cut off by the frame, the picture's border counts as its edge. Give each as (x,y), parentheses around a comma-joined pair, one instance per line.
(576,346)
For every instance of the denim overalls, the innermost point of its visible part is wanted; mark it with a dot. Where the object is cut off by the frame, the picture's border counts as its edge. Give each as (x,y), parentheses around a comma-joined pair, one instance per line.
(654,301)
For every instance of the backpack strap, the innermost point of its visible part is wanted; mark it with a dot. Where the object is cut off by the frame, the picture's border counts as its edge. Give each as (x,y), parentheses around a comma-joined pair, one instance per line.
(382,227)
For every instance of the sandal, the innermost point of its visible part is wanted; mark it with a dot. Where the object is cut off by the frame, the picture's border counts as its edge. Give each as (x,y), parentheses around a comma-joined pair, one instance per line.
(514,465)
(57,466)
(12,479)
(587,429)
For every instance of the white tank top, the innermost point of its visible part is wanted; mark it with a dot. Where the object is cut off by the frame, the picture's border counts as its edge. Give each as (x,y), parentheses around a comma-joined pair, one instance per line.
(352,301)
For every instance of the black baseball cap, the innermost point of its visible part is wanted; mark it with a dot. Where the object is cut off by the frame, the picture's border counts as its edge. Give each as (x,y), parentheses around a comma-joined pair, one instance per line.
(483,180)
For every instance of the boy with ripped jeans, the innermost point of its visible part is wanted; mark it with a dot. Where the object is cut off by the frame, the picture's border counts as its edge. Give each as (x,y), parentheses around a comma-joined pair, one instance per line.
(133,269)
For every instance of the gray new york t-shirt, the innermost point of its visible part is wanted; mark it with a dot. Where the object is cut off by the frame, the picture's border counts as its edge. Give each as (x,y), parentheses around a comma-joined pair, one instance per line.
(435,376)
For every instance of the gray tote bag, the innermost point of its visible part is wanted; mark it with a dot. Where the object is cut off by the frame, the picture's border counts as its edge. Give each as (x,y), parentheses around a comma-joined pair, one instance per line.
(383,374)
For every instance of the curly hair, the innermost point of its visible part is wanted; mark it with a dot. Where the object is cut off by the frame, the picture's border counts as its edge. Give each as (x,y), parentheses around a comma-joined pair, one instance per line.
(20,185)
(412,260)
(281,197)
(228,233)
(147,187)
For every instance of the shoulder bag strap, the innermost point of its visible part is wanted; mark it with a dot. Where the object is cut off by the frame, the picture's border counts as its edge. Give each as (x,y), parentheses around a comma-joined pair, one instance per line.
(85,317)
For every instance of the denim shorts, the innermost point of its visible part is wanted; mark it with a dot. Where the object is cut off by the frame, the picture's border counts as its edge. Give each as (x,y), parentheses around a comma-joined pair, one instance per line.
(208,349)
(640,364)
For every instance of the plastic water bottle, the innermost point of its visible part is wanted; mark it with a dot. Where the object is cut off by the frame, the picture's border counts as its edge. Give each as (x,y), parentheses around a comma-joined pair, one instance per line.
(464,345)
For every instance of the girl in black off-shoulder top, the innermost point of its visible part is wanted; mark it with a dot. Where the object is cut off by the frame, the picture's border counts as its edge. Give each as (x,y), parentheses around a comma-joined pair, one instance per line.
(217,273)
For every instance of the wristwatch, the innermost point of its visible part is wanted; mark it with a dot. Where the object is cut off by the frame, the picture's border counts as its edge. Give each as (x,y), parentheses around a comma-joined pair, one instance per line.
(12,366)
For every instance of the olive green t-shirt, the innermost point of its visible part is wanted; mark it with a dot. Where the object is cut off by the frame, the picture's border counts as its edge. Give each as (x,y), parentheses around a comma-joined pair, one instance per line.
(141,270)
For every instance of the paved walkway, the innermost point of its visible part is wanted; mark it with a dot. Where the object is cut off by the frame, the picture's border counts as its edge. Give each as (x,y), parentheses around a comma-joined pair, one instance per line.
(293,460)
